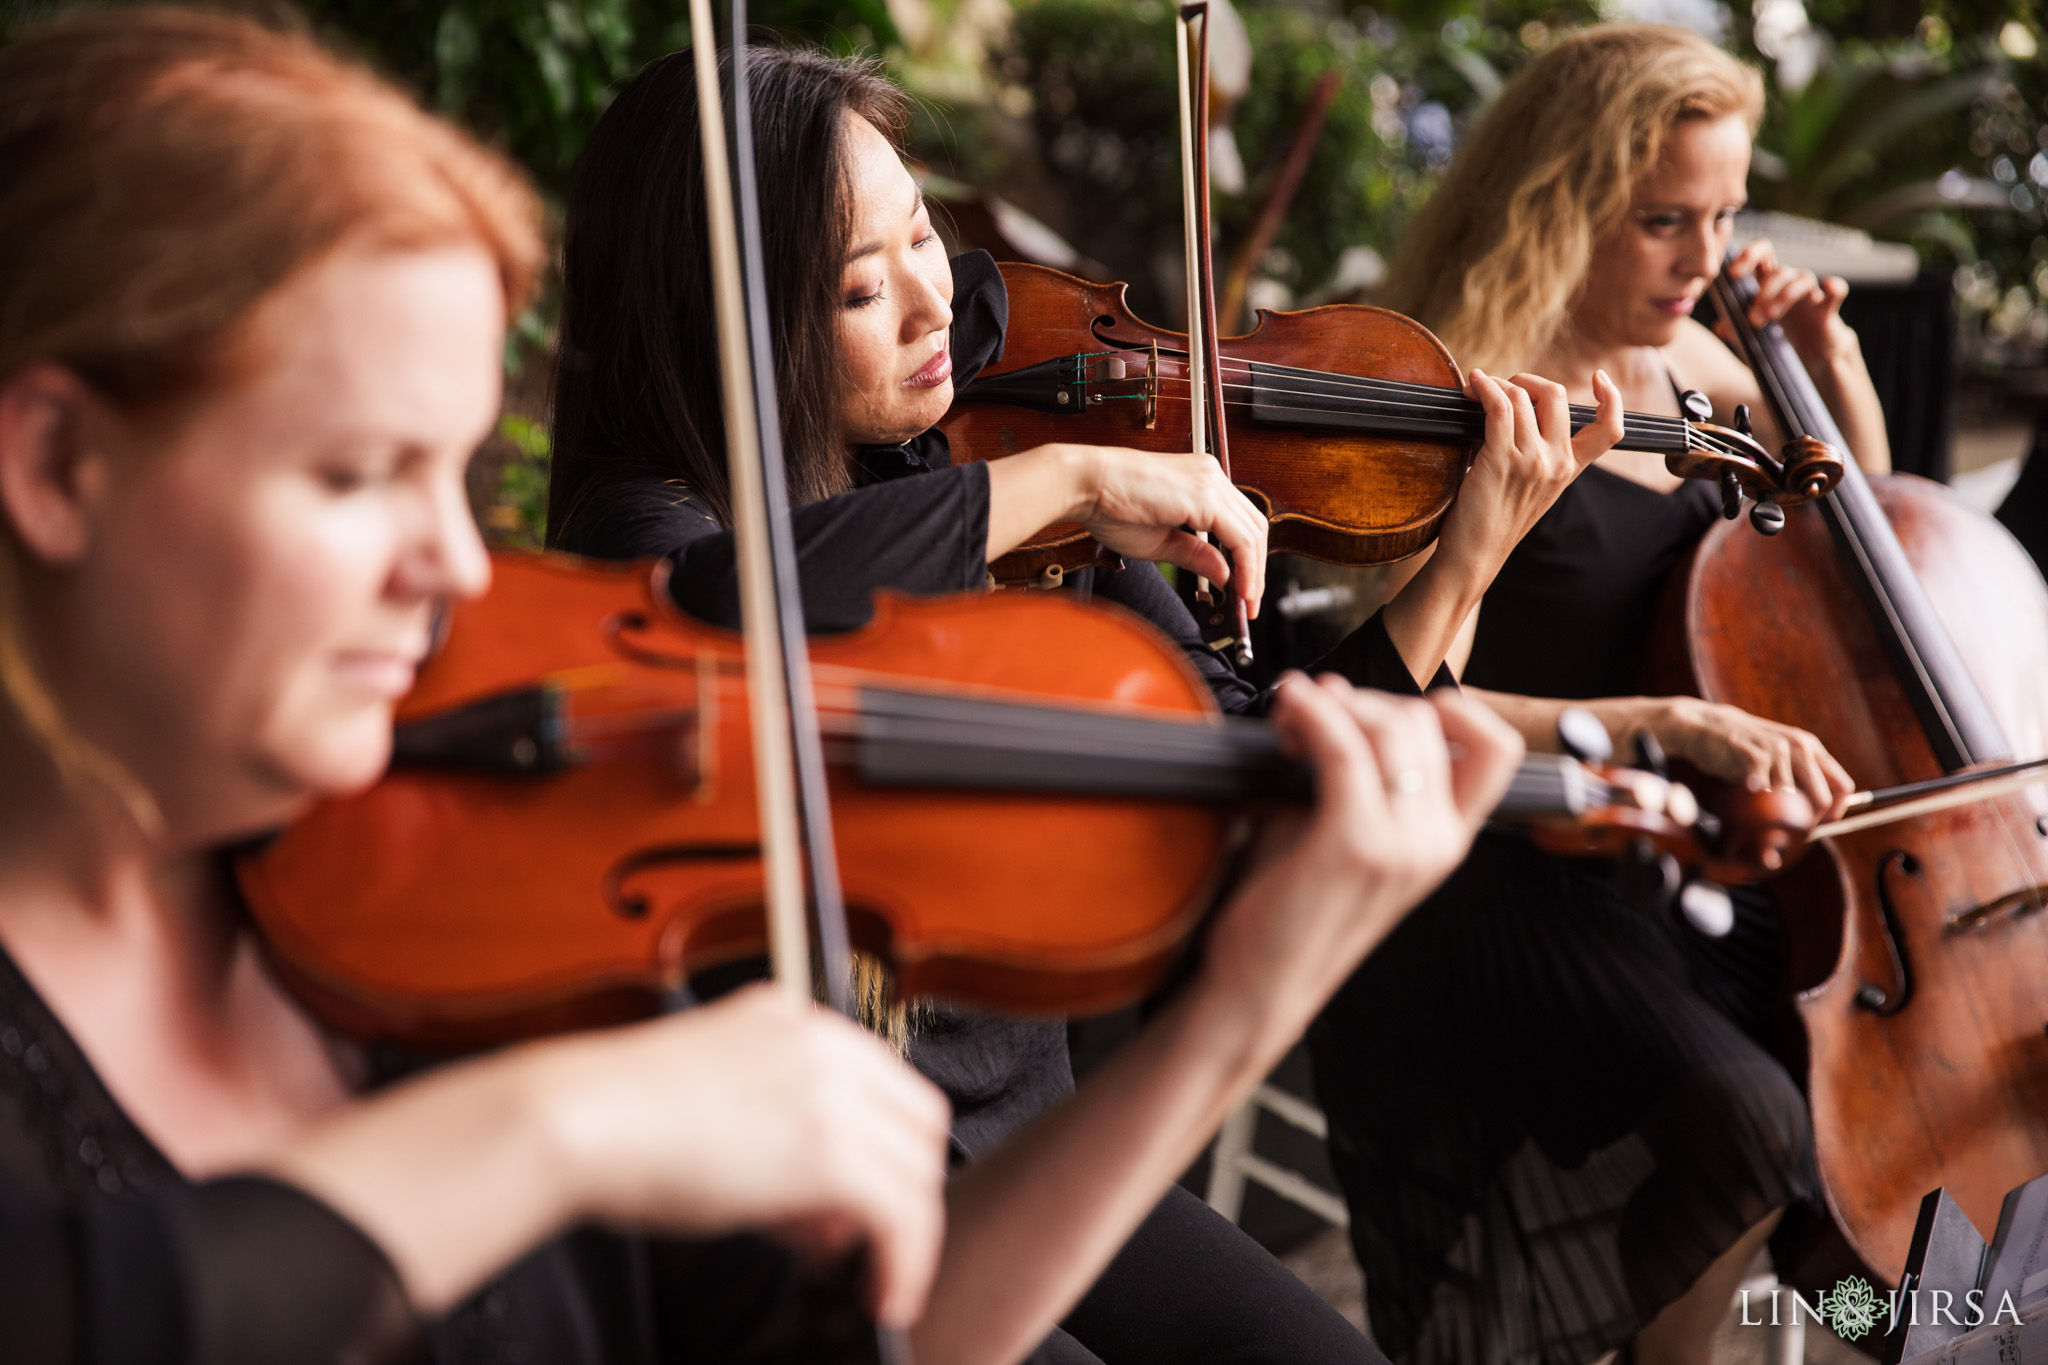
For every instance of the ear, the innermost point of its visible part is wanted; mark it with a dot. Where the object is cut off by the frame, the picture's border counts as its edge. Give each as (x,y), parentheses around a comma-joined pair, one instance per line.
(50,476)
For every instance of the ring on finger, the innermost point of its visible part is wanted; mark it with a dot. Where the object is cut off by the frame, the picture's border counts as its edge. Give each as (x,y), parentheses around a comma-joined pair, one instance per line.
(1407,782)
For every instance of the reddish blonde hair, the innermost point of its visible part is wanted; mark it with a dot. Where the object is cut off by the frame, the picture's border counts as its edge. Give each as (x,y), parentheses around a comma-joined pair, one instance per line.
(1500,251)
(163,173)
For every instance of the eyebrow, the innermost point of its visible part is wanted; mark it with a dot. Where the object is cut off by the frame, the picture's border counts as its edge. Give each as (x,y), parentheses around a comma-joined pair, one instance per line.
(870,248)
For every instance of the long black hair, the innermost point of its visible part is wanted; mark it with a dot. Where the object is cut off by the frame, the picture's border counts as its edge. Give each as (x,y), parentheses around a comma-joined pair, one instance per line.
(637,384)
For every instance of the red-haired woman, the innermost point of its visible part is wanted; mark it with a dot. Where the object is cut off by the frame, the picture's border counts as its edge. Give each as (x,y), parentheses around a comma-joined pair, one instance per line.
(252,304)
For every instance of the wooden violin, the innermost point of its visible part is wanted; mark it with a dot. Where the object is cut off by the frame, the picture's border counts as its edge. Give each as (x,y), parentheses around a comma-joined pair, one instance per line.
(1909,633)
(1034,799)
(1348,425)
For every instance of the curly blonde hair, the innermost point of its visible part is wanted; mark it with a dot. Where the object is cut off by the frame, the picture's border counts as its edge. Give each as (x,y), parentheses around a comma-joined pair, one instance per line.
(1495,259)
(163,173)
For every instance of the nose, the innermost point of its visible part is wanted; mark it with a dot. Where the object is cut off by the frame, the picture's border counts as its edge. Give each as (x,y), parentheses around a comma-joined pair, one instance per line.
(447,557)
(930,305)
(1704,247)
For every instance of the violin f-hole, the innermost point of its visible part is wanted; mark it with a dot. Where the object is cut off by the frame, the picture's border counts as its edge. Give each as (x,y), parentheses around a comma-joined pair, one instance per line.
(1869,995)
(632,905)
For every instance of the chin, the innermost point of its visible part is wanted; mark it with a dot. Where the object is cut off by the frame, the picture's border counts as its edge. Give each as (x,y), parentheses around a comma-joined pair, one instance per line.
(925,410)
(1660,329)
(347,755)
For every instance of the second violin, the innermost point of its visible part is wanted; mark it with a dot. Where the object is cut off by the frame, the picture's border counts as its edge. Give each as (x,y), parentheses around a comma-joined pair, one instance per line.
(1348,424)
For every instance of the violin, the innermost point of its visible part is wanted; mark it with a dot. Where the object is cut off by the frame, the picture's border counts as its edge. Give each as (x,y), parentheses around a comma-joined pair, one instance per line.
(1036,801)
(1347,425)
(1909,633)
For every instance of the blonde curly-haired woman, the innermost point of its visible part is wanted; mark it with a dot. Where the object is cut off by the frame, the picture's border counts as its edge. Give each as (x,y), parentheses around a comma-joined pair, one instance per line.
(1583,1147)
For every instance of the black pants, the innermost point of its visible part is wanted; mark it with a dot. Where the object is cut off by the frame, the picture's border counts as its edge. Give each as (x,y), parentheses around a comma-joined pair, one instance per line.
(1189,1288)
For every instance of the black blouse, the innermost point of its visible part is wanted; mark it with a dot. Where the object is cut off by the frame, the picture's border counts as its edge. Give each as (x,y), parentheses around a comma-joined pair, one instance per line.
(916,523)
(108,1256)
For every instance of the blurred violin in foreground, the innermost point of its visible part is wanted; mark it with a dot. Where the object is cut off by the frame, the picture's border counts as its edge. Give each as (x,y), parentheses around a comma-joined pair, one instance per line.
(1035,800)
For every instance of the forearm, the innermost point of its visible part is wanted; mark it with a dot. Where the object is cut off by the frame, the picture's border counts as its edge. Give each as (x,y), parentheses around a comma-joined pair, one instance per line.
(1031,1226)
(1431,611)
(1845,386)
(1535,718)
(452,1175)
(1031,491)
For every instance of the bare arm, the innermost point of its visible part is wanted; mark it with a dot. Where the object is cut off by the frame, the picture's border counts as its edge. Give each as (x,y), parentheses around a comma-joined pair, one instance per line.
(1136,502)
(1810,311)
(1721,741)
(1529,457)
(1034,1223)
(753,1112)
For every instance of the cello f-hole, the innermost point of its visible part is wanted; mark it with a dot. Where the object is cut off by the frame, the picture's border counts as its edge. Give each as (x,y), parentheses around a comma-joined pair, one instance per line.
(1869,995)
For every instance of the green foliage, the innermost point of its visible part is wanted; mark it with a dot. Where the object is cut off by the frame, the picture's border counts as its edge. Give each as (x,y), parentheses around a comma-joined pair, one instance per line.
(1408,91)
(533,74)
(1939,140)
(519,506)
(1104,104)
(537,73)
(1105,111)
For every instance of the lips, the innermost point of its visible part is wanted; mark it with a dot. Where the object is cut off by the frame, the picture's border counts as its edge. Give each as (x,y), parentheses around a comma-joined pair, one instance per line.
(1679,307)
(384,675)
(935,372)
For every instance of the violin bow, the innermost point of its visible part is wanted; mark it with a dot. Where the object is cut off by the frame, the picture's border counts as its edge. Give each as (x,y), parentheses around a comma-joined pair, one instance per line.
(789,762)
(789,758)
(1205,375)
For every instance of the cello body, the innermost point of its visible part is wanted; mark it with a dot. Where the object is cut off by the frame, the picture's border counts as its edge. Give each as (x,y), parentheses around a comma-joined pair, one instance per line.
(1917,952)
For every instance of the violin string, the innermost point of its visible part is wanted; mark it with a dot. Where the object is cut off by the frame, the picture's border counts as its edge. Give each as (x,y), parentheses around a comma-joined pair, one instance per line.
(1541,784)
(1636,426)
(1389,390)
(1427,399)
(1457,408)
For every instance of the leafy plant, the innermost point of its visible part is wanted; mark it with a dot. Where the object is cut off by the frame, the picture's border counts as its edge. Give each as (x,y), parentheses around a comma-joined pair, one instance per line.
(518,509)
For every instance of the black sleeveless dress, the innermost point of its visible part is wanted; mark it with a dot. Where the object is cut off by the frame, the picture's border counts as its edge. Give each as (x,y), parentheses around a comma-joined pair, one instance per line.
(1547,1109)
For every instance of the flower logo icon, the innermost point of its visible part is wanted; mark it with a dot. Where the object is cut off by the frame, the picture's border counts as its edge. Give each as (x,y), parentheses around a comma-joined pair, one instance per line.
(1852,1307)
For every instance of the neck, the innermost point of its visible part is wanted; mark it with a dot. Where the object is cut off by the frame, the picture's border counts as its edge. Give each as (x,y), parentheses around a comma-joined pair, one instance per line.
(1575,352)
(77,876)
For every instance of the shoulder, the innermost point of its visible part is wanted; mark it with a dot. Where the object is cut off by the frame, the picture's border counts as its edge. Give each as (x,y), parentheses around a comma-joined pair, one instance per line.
(981,314)
(627,518)
(1700,360)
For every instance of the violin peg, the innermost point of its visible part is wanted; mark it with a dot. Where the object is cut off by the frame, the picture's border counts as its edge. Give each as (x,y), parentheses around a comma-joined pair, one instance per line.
(1742,419)
(1707,908)
(1650,754)
(1731,495)
(1580,734)
(1768,518)
(1697,405)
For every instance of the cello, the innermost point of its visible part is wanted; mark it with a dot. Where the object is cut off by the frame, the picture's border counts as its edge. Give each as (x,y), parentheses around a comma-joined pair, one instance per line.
(1909,633)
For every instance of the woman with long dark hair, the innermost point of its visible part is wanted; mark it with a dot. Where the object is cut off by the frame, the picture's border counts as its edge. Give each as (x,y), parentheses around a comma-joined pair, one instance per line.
(873,330)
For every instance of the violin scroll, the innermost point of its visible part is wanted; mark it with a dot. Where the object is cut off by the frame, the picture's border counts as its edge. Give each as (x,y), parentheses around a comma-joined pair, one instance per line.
(1806,469)
(1746,837)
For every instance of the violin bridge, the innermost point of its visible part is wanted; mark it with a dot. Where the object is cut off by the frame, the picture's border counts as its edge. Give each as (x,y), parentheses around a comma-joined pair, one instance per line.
(1152,387)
